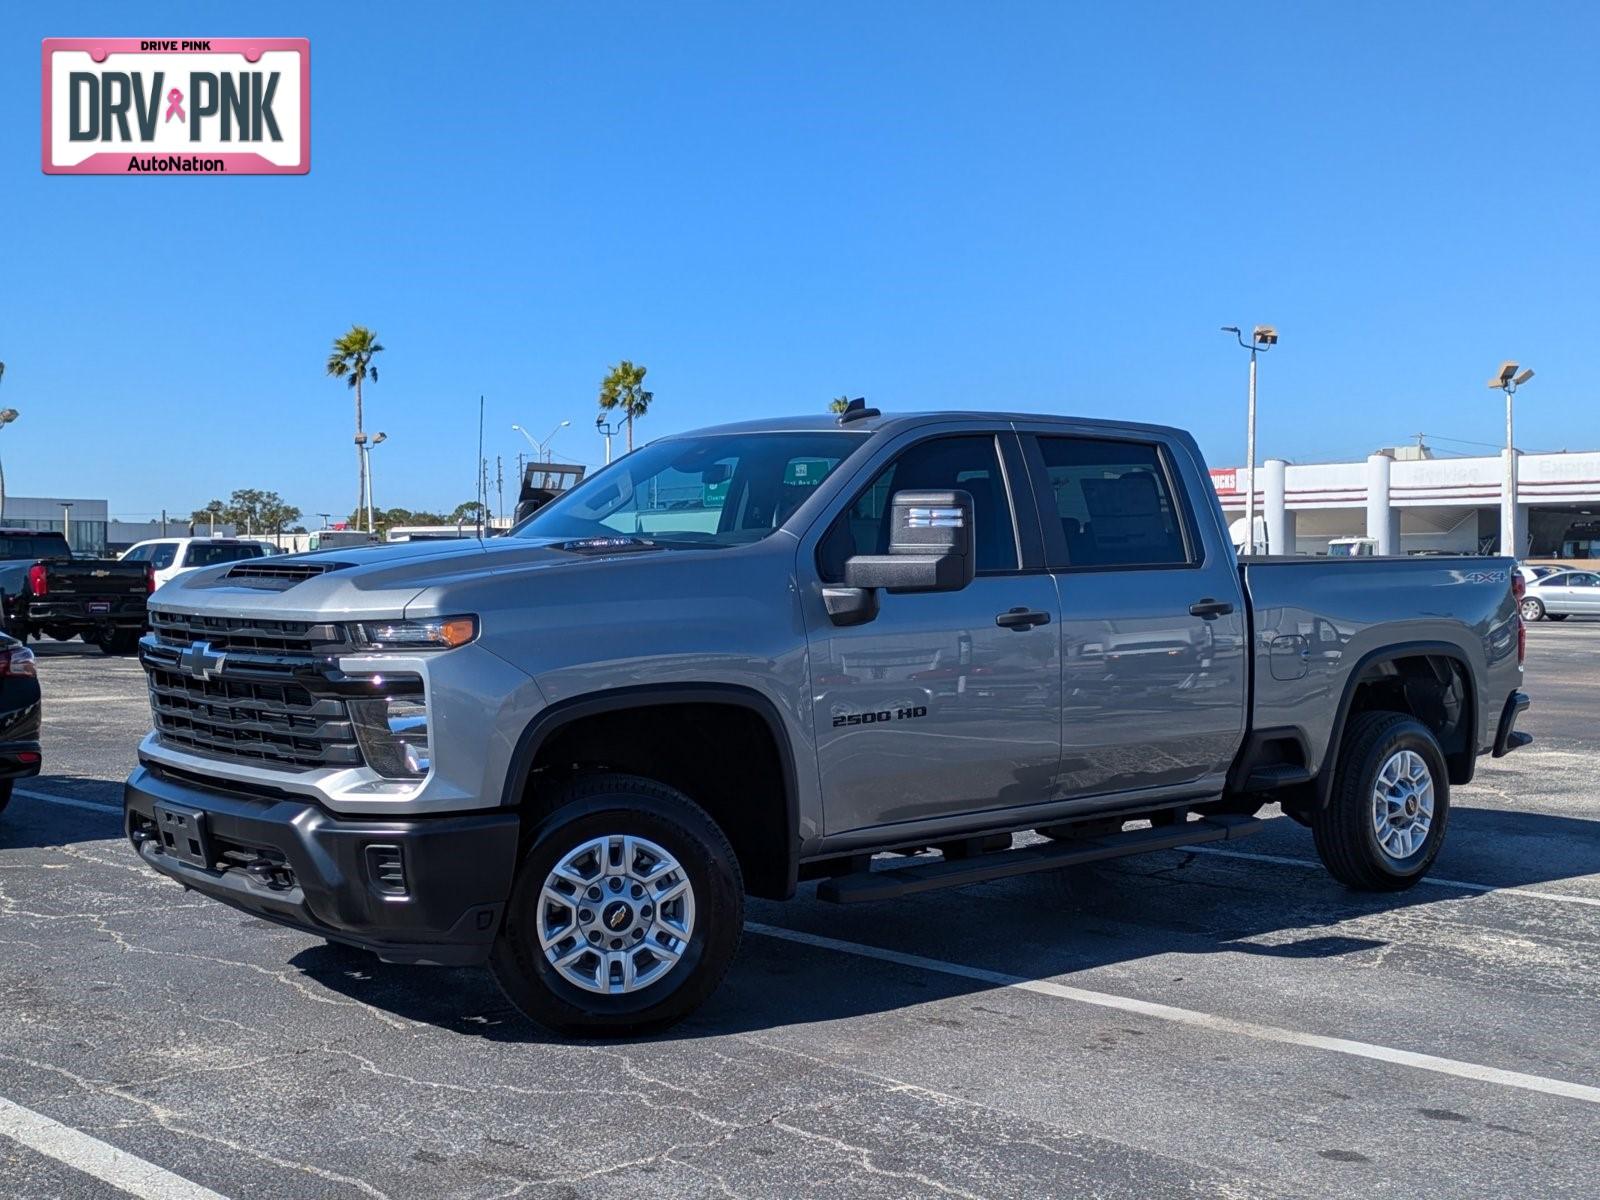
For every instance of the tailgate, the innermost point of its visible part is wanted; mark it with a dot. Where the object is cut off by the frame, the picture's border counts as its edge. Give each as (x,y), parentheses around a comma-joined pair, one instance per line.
(96,577)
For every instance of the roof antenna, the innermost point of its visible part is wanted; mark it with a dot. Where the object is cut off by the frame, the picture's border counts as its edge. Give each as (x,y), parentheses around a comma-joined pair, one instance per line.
(857,410)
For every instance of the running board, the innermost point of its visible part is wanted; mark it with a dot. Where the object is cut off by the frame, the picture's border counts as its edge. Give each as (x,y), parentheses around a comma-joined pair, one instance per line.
(893,882)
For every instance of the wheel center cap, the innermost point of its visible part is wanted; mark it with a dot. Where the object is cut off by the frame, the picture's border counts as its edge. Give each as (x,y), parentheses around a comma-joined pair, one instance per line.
(1411,806)
(618,915)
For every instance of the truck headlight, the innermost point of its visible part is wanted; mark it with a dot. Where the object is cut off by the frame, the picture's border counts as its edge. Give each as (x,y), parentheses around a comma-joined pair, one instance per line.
(393,734)
(422,633)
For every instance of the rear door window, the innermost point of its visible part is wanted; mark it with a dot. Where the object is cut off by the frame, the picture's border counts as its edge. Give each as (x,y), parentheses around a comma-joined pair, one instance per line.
(1115,502)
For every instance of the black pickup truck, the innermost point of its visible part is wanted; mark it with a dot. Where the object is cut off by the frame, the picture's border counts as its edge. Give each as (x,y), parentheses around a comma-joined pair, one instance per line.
(44,589)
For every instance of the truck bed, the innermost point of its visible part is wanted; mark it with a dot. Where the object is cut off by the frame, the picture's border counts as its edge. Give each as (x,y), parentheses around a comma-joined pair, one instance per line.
(1320,625)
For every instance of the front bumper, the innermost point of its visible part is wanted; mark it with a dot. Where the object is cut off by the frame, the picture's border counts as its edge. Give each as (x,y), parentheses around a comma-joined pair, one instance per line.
(290,861)
(1507,736)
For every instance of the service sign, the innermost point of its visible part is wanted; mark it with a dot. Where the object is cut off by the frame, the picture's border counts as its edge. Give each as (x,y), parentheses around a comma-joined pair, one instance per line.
(177,106)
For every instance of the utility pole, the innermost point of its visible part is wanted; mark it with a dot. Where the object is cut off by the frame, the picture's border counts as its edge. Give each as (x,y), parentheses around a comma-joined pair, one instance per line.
(163,522)
(500,485)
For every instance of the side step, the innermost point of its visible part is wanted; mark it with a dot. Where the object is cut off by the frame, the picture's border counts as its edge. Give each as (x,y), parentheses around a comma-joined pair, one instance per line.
(1267,779)
(894,882)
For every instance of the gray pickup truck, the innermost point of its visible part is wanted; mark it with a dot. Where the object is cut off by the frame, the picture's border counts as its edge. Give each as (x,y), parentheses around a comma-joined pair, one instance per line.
(790,650)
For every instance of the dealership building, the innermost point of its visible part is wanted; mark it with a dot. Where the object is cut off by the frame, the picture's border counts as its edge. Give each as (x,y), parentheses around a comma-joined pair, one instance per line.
(83,521)
(1407,501)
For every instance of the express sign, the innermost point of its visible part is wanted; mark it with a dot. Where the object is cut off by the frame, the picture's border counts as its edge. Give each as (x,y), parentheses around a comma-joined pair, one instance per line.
(207,106)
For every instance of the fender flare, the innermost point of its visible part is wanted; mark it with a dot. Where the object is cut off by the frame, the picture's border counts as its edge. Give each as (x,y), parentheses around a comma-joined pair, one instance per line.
(575,708)
(1382,654)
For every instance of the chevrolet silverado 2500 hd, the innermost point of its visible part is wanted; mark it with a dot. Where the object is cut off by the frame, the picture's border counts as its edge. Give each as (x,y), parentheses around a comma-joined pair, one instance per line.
(771,652)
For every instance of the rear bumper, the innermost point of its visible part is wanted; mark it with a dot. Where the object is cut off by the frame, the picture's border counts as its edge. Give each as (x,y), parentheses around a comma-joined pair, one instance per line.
(1507,736)
(121,612)
(290,861)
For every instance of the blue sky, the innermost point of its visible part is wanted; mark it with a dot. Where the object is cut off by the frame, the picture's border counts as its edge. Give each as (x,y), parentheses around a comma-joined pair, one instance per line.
(1042,206)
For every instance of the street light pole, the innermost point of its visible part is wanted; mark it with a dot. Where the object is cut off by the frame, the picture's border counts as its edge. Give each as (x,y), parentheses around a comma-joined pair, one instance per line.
(377,439)
(606,430)
(1508,381)
(1262,339)
(544,446)
(6,417)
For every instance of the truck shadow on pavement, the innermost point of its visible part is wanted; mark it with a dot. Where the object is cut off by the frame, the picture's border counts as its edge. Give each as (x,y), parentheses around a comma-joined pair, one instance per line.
(1058,925)
(31,823)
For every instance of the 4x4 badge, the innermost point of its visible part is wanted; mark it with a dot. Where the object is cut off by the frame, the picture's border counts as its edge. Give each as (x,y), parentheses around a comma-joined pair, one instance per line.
(198,660)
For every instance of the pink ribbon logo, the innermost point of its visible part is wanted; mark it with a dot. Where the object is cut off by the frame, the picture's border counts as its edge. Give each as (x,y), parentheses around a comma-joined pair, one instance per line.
(175,106)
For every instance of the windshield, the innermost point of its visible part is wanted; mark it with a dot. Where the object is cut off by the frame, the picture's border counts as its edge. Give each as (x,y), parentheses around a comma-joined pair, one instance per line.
(716,490)
(209,554)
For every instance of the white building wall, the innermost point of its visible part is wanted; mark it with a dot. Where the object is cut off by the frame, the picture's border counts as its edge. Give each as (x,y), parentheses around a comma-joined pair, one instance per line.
(1432,504)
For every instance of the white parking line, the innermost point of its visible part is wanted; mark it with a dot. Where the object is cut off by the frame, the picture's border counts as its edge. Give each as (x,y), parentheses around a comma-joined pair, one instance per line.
(1430,880)
(103,1161)
(69,801)
(1188,1016)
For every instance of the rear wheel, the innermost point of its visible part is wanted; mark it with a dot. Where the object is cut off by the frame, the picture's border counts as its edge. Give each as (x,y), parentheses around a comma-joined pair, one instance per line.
(1532,609)
(1385,821)
(119,641)
(625,913)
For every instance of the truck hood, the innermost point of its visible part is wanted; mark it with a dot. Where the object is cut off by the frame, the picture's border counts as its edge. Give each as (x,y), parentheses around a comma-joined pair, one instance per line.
(371,581)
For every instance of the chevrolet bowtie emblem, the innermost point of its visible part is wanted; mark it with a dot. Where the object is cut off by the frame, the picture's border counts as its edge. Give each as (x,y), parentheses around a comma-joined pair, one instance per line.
(199,661)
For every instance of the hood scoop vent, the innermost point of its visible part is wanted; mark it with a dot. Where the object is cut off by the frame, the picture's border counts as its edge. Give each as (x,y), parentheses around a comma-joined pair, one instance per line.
(264,573)
(621,544)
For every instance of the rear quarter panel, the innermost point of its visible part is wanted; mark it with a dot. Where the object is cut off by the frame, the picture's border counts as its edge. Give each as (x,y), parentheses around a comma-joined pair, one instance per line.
(1316,621)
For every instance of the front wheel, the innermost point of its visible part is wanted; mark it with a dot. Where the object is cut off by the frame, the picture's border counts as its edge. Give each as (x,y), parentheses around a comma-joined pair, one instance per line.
(1385,821)
(5,792)
(1532,609)
(625,913)
(1557,616)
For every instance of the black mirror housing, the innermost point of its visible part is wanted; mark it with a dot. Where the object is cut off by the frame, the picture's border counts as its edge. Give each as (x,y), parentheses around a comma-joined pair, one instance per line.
(930,546)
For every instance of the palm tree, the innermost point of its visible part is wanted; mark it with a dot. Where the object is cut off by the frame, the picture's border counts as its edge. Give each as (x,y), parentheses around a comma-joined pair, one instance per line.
(623,388)
(838,404)
(351,360)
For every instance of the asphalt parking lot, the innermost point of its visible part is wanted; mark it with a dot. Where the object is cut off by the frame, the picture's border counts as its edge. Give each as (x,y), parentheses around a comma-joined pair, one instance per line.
(1200,1023)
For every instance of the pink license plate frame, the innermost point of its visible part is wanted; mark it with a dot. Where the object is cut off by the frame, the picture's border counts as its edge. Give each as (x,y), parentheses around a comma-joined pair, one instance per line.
(116,162)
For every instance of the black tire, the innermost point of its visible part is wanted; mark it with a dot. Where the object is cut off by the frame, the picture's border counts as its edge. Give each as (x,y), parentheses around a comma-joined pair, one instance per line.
(596,806)
(1550,616)
(5,792)
(1532,609)
(1344,832)
(119,642)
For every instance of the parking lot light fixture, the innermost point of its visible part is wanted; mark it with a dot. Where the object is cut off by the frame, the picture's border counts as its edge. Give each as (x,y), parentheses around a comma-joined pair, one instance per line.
(1508,379)
(544,446)
(1262,339)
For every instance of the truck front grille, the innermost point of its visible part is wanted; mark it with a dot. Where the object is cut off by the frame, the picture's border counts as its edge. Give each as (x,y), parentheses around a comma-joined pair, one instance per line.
(268,724)
(252,634)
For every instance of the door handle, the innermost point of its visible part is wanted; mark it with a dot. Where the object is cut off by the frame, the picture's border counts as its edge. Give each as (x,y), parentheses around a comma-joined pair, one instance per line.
(1210,609)
(1021,619)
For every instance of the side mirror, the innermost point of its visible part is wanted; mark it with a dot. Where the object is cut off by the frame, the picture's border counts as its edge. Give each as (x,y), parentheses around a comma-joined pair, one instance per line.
(930,550)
